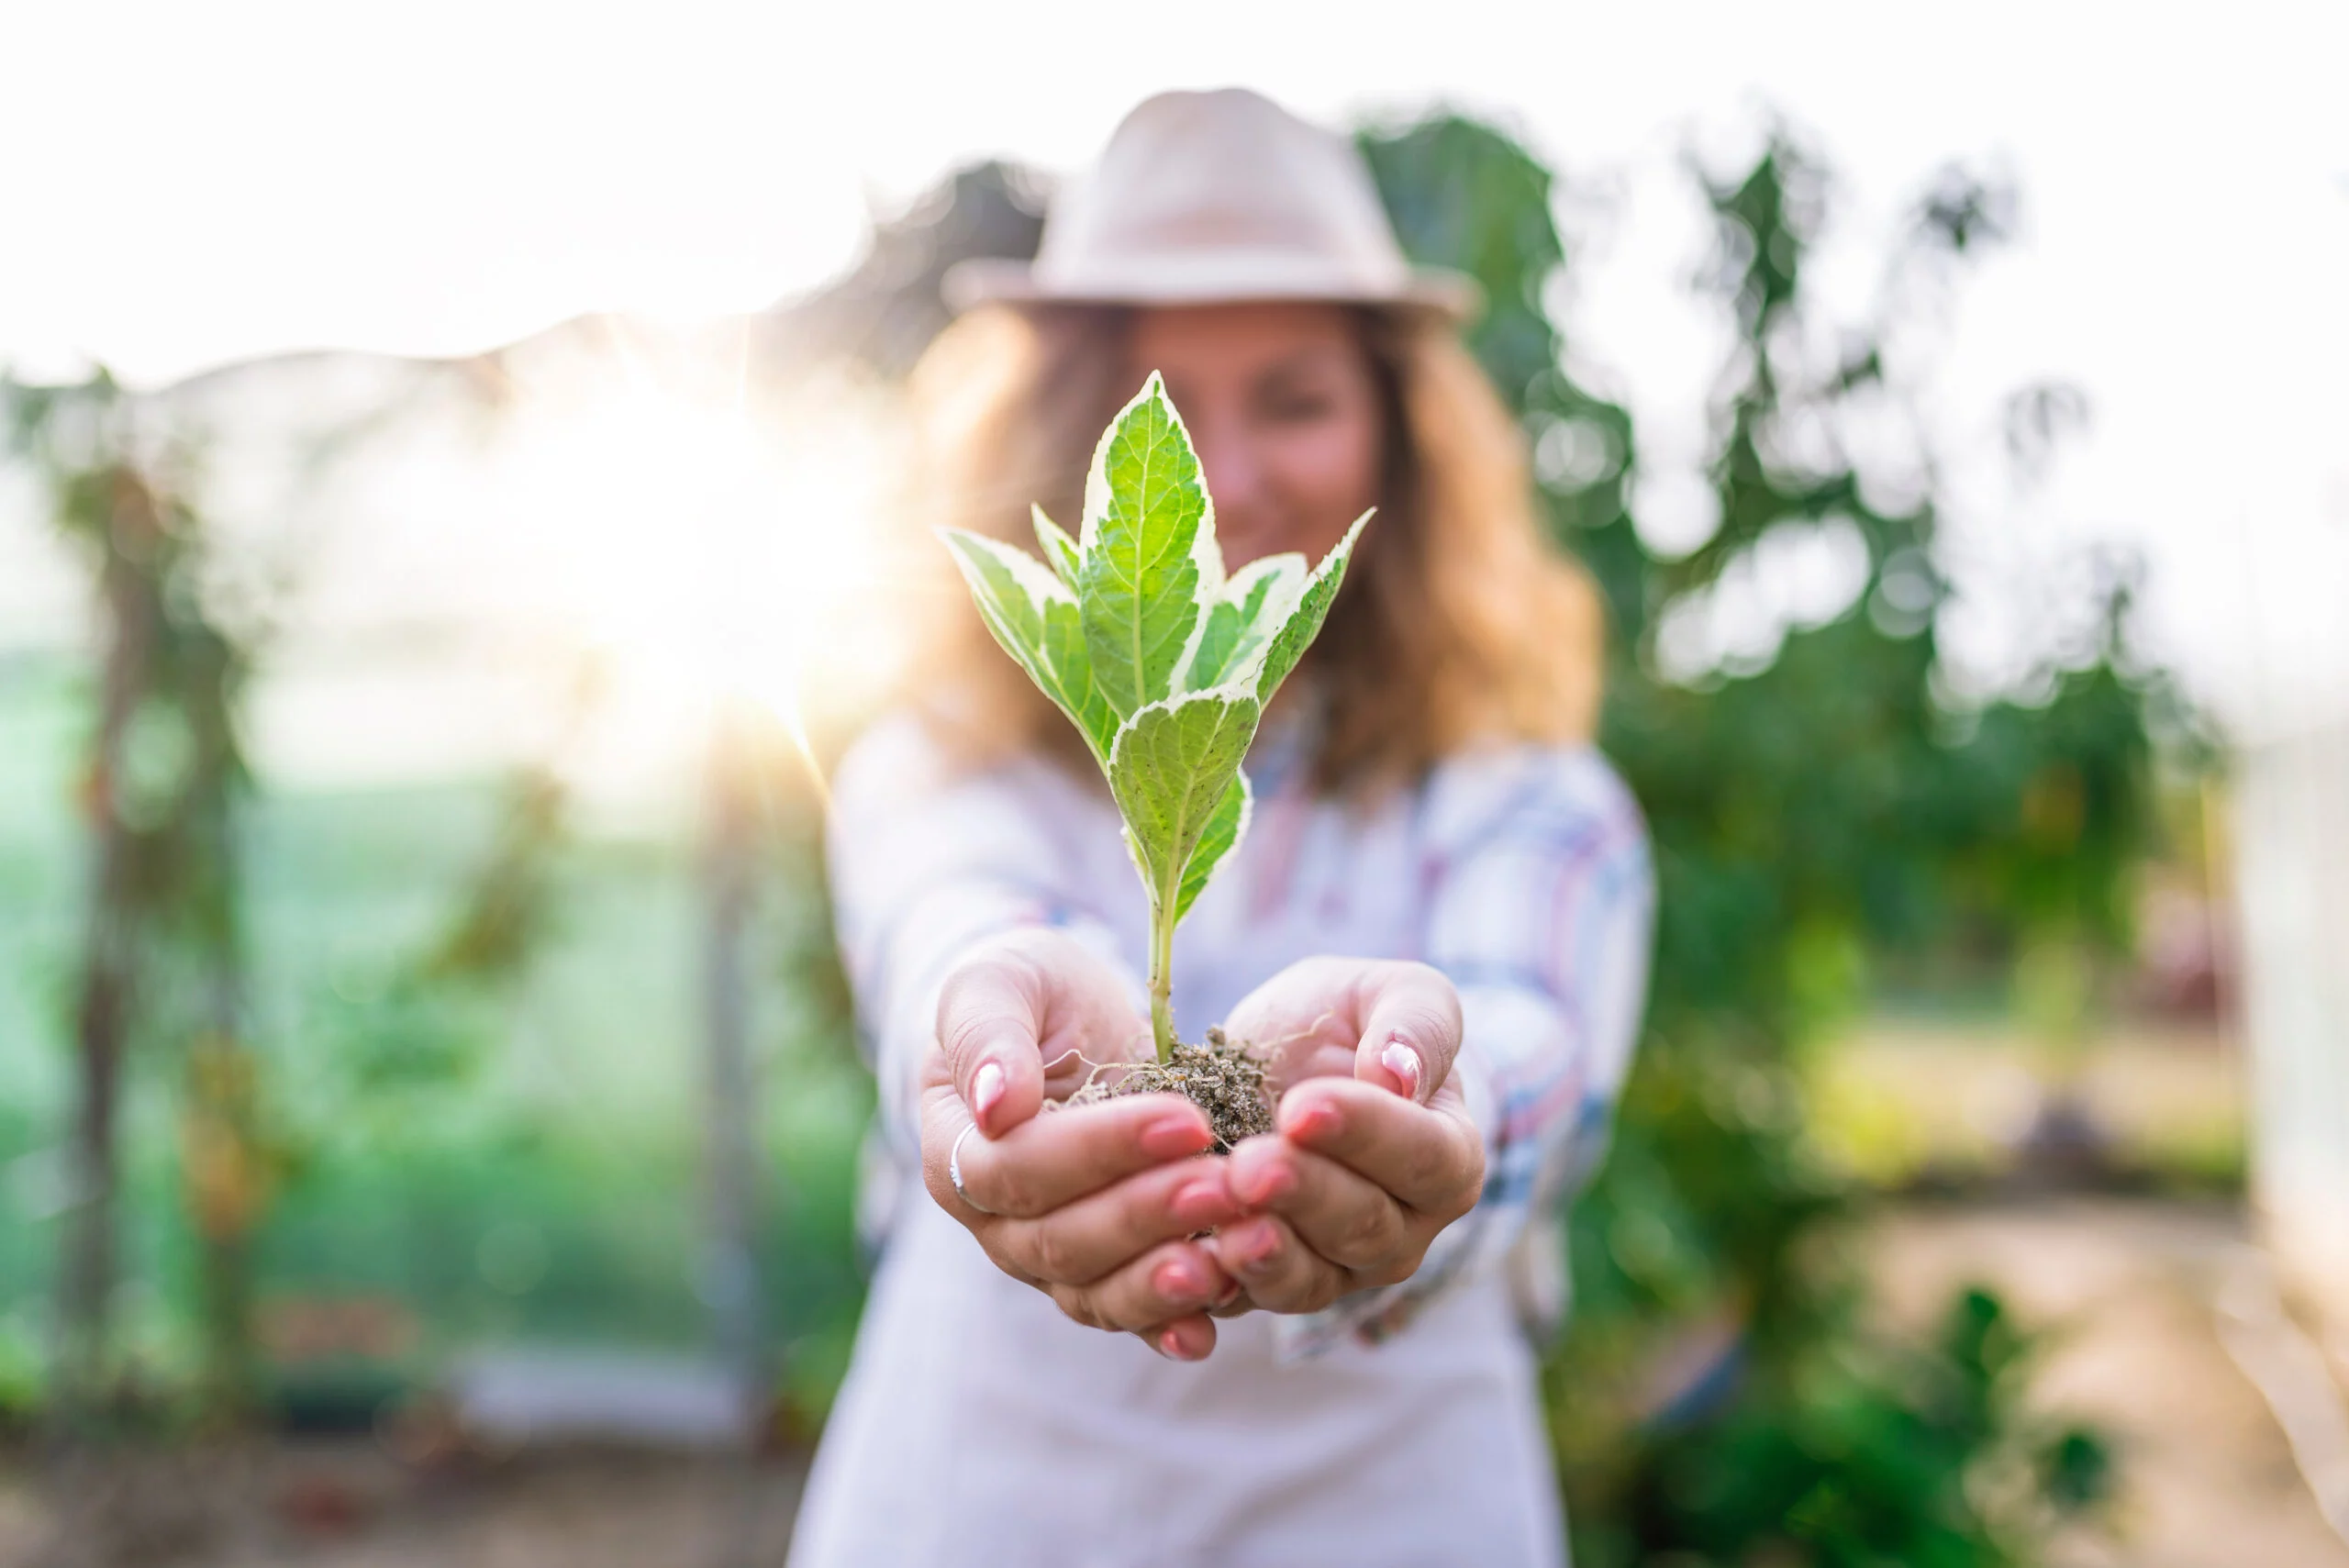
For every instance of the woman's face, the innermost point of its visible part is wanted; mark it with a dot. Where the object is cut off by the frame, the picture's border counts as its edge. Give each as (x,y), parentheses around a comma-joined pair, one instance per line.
(1283,405)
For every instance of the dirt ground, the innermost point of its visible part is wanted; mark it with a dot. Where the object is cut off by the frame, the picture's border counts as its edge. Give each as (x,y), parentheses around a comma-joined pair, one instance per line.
(2125,1287)
(2128,1290)
(351,1504)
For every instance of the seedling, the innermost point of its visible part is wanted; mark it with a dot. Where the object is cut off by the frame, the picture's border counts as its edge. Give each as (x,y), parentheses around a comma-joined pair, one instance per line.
(1163,663)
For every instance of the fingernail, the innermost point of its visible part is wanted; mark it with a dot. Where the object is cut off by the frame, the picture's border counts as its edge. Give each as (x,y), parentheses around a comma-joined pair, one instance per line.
(1266,1183)
(1201,1204)
(1172,1136)
(987,1088)
(1170,1345)
(1256,1248)
(1177,1281)
(1314,1122)
(1231,1294)
(1404,1062)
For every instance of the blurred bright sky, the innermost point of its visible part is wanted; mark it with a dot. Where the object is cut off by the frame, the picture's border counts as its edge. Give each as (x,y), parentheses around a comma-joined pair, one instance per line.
(193,183)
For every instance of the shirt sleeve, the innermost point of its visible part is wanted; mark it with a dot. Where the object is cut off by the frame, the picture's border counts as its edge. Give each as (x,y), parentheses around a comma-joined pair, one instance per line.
(928,858)
(1540,906)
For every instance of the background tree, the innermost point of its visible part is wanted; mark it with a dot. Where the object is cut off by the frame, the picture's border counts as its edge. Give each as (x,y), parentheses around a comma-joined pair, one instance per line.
(162,955)
(1814,804)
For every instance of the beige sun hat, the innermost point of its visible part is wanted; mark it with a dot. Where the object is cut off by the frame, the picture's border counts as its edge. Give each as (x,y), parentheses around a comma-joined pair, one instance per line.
(1207,197)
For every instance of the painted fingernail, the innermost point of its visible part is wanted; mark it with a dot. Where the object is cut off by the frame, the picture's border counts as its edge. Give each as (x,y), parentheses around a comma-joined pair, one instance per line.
(1170,1345)
(987,1088)
(1316,1121)
(1201,1204)
(1404,1062)
(1177,1281)
(1266,1183)
(1173,1136)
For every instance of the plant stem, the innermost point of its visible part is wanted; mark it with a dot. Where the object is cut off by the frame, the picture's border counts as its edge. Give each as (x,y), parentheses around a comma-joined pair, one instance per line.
(1162,980)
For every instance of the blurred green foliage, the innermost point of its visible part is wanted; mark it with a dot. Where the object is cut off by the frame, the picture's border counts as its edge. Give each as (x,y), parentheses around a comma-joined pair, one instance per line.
(1817,802)
(300,1046)
(1915,1455)
(162,786)
(509,1154)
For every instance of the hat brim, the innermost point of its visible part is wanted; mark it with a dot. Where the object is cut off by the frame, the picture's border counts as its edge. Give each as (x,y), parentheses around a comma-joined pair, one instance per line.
(991,280)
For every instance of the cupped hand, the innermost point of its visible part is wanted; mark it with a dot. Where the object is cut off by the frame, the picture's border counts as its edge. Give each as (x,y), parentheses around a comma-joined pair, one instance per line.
(1095,1205)
(1375,1151)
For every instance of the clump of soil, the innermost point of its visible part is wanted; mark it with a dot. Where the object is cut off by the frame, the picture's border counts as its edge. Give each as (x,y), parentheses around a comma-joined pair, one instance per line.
(1220,1077)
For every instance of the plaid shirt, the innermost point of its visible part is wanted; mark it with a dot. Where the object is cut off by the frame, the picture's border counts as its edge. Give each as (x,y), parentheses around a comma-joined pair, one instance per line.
(1522,872)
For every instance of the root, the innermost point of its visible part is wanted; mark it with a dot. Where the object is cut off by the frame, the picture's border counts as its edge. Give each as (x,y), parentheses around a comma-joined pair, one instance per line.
(1093,1071)
(1223,1079)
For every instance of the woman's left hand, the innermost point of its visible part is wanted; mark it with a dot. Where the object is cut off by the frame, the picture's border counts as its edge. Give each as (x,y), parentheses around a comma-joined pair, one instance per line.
(1376,1152)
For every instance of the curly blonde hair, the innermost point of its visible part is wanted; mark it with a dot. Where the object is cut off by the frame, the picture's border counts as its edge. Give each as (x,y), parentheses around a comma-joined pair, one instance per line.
(1458,622)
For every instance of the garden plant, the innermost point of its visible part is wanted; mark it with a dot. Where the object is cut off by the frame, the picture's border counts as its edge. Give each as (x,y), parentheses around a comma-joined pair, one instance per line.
(1166,664)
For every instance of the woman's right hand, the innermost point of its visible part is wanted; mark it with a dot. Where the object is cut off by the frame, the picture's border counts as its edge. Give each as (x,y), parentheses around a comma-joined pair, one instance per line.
(1093,1206)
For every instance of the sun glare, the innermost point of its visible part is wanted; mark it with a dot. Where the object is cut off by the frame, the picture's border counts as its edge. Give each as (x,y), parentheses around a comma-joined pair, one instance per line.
(703,552)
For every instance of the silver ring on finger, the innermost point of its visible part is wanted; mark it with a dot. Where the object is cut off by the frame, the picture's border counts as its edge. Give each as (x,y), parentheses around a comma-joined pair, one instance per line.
(954,1169)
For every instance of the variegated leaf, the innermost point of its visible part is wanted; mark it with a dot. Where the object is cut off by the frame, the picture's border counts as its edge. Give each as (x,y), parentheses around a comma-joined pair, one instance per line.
(1147,545)
(1224,831)
(1171,770)
(1060,550)
(1036,619)
(1240,624)
(1163,665)
(1304,623)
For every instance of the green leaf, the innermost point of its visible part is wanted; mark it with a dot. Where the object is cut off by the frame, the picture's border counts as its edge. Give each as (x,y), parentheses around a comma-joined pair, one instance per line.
(1304,623)
(1035,618)
(1060,550)
(1077,694)
(1224,831)
(1148,548)
(1172,770)
(1241,624)
(1011,591)
(1163,664)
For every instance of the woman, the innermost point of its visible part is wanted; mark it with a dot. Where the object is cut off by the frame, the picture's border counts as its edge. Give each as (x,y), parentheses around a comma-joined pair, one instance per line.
(1437,925)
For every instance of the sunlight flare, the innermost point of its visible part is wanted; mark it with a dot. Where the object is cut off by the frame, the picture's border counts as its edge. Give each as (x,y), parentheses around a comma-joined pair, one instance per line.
(706,547)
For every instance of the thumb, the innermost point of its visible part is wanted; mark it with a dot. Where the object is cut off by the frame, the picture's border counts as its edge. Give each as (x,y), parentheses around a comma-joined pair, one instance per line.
(1411,1029)
(990,1024)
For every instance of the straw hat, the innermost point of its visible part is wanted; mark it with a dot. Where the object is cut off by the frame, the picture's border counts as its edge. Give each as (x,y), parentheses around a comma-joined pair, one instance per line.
(1204,198)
